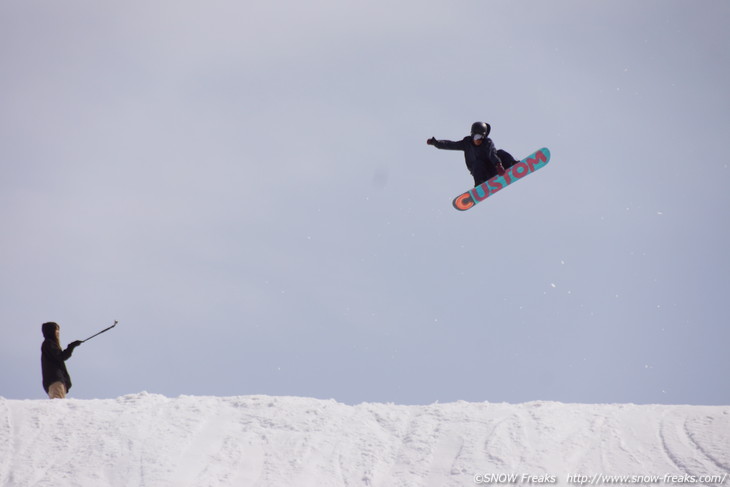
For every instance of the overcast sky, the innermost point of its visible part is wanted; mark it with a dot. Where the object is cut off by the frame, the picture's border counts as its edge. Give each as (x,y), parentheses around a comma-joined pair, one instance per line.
(246,187)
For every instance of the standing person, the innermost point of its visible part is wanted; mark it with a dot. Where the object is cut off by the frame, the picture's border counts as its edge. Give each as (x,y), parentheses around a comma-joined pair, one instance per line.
(56,380)
(482,159)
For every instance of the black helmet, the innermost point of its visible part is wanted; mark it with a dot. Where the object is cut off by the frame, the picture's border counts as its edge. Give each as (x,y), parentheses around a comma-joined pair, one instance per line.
(480,128)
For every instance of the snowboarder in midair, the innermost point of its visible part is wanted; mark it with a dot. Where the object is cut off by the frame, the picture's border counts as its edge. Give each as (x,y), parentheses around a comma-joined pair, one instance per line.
(482,159)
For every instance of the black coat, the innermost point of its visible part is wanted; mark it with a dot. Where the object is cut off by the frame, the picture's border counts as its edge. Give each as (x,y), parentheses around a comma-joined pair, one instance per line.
(52,363)
(482,160)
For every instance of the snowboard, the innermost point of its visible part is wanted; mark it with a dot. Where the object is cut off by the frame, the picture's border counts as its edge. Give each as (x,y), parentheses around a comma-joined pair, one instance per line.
(526,166)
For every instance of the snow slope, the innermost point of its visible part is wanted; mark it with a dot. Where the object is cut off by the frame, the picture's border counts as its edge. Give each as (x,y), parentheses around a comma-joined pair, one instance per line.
(150,440)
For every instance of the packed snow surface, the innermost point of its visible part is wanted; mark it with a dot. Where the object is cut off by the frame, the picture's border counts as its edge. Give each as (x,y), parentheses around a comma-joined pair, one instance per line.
(151,440)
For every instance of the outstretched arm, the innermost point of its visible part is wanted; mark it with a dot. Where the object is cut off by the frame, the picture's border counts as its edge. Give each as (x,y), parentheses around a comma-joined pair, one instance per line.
(54,351)
(446,144)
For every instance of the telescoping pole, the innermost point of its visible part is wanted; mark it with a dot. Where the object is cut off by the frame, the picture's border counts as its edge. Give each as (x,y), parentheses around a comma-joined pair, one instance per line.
(102,331)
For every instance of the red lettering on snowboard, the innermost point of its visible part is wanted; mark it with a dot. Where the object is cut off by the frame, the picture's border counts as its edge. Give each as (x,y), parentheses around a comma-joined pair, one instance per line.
(495,185)
(514,173)
(539,157)
(480,193)
(520,170)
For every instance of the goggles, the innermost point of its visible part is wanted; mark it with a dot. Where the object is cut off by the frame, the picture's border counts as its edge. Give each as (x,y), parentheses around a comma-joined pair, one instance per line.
(477,137)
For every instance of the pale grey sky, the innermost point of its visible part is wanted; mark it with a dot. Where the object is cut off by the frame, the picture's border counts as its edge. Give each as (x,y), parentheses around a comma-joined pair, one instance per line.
(246,187)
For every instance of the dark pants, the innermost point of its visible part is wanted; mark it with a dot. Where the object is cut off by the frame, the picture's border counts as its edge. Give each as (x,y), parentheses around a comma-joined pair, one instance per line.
(506,158)
(490,171)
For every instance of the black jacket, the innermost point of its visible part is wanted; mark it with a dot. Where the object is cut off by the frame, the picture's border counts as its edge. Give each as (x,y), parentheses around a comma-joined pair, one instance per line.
(482,160)
(52,363)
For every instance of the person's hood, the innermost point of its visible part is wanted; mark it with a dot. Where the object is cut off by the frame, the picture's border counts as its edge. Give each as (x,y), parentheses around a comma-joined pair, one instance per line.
(49,330)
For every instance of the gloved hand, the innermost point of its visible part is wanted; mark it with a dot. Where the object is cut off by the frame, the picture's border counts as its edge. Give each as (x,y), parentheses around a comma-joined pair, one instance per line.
(431,141)
(500,169)
(75,344)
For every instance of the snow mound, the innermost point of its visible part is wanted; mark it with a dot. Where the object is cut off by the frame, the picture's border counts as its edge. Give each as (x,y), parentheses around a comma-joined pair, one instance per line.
(150,440)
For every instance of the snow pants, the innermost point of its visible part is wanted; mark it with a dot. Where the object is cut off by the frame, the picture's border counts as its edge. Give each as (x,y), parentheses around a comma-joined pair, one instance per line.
(506,158)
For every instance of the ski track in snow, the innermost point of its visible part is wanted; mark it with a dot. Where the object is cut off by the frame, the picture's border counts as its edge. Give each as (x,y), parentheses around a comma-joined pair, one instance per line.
(682,439)
(150,440)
